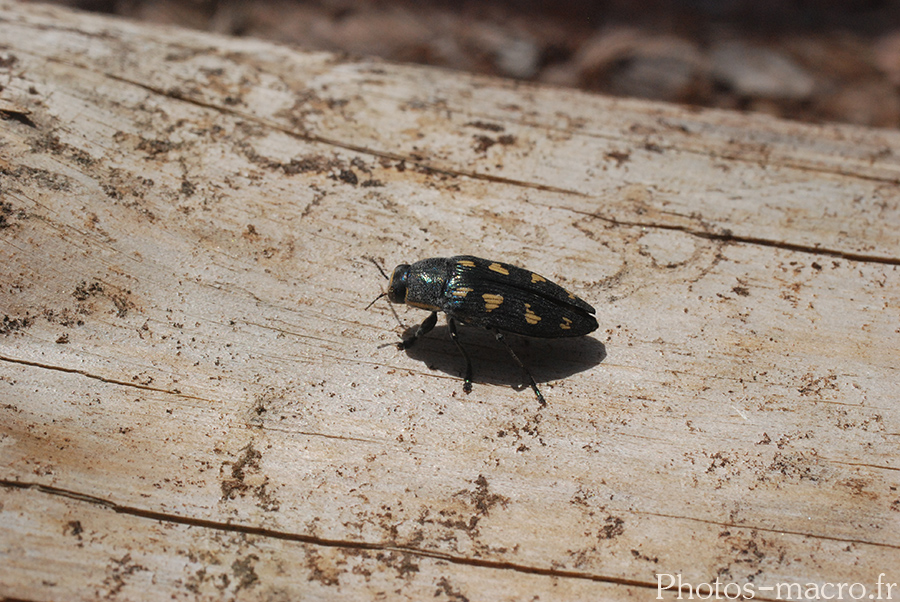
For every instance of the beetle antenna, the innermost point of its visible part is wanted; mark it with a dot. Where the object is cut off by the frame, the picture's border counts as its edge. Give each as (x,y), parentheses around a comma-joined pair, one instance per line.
(374,300)
(393,311)
(386,277)
(390,305)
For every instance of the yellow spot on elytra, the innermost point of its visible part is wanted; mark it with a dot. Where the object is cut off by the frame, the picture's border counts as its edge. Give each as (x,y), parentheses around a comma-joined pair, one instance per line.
(491,302)
(537,278)
(461,292)
(496,267)
(467,263)
(566,324)
(531,317)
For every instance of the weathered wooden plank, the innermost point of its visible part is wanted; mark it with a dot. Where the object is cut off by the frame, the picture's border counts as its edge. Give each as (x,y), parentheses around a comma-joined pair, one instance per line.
(109,553)
(187,369)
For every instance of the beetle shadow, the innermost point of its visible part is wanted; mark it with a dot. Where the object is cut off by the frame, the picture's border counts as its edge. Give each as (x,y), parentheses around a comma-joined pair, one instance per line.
(546,359)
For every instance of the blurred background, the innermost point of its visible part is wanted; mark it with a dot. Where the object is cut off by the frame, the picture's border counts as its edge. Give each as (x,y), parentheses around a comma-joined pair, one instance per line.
(816,61)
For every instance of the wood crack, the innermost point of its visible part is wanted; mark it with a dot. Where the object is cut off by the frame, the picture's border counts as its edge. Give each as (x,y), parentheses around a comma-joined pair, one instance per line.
(343,145)
(728,236)
(770,530)
(103,379)
(318,541)
(725,235)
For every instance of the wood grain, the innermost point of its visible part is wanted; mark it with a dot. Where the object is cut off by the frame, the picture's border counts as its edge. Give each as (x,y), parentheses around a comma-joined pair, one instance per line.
(194,403)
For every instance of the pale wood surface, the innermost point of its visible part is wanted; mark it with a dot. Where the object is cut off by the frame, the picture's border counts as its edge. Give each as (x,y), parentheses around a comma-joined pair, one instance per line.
(193,403)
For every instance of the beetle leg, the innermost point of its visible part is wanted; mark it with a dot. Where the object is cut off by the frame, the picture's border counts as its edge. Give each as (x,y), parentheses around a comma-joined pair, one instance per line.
(423,329)
(467,384)
(534,386)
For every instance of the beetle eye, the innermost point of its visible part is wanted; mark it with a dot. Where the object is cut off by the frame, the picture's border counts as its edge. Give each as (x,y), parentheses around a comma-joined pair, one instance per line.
(397,286)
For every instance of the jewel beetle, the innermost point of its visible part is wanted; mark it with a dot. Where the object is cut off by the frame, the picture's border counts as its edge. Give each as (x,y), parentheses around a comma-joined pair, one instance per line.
(489,294)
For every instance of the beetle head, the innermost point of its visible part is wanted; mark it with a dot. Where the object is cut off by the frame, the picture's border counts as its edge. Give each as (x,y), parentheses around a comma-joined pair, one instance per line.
(397,286)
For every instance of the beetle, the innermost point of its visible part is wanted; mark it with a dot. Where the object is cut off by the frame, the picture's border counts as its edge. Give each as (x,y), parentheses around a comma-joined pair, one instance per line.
(489,294)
